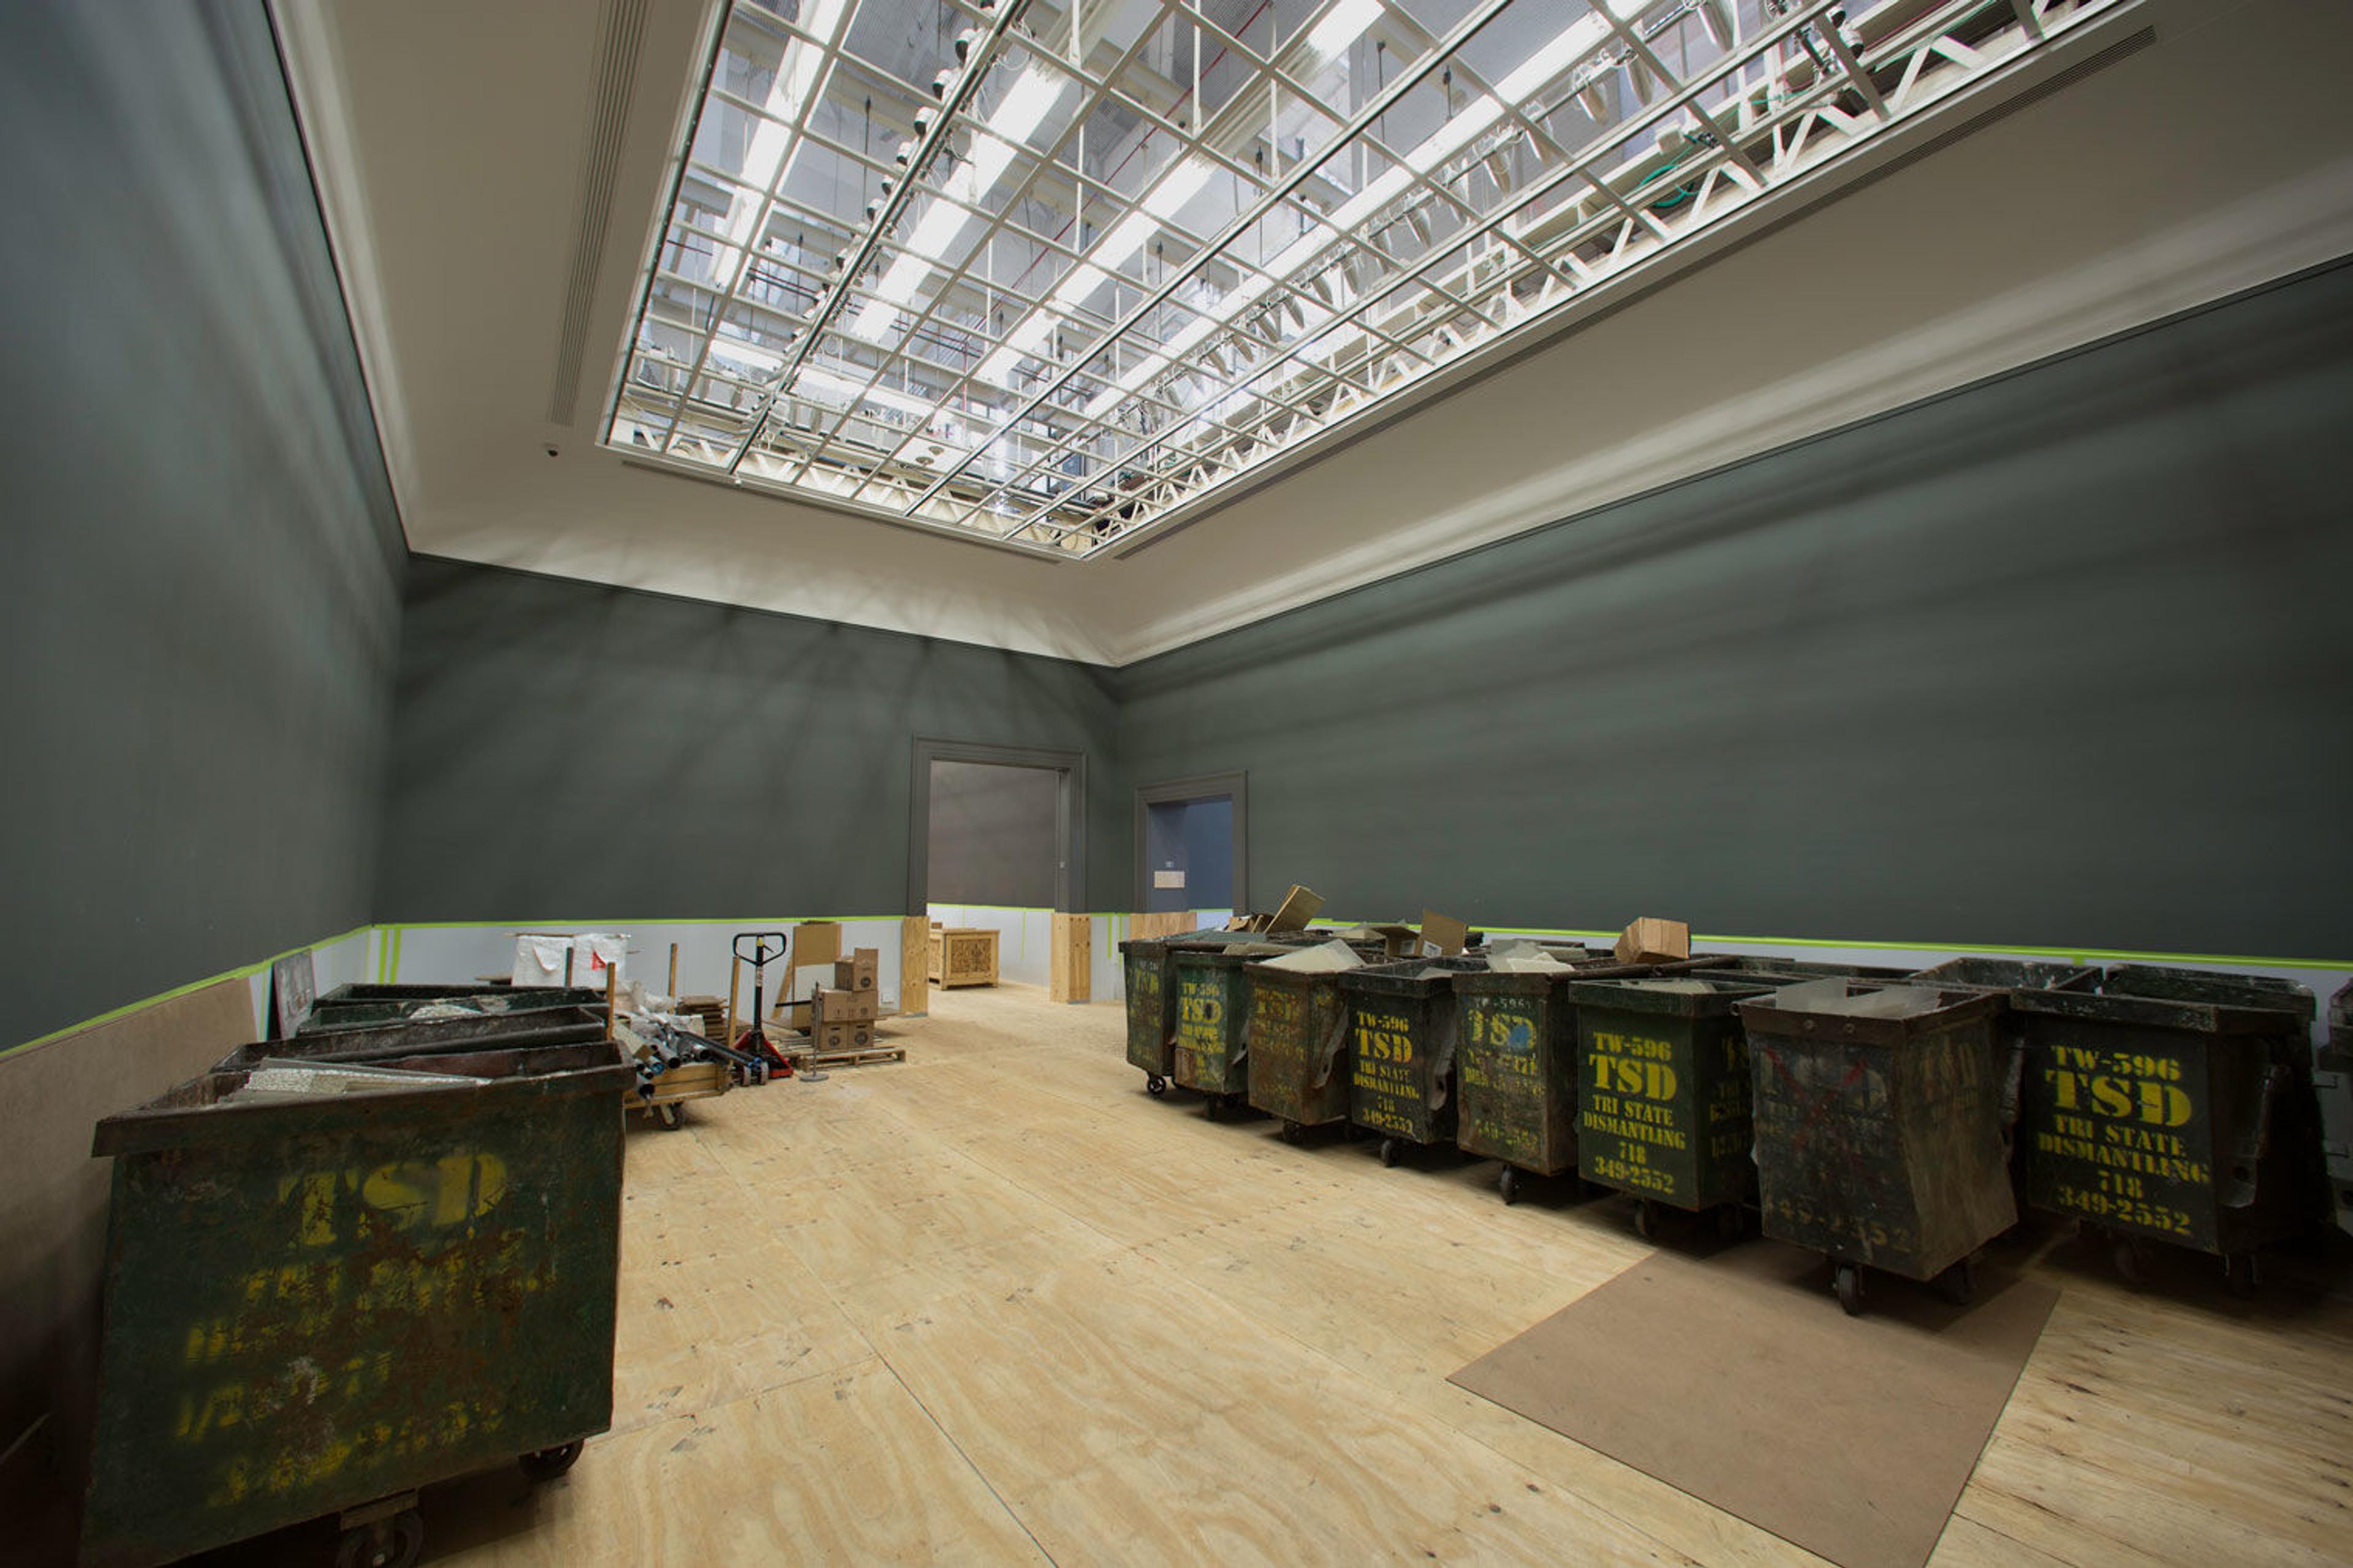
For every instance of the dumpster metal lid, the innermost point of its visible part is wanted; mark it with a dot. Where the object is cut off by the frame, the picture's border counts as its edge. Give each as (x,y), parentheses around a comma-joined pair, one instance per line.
(202,1110)
(1540,982)
(1784,1012)
(1683,994)
(2009,973)
(1412,976)
(543,1027)
(2167,983)
(2158,1012)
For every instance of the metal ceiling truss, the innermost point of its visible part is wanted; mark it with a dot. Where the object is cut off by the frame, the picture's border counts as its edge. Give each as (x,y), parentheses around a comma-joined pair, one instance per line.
(933,347)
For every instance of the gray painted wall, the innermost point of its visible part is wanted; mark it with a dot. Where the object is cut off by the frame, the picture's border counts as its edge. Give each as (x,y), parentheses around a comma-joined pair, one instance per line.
(566,751)
(198,617)
(992,837)
(201,604)
(2057,659)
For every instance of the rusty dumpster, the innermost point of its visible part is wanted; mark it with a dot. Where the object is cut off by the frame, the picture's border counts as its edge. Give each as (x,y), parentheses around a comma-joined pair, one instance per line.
(1879,1140)
(1402,1032)
(1298,1063)
(1663,1099)
(1151,1009)
(2332,1081)
(330,1284)
(2176,1106)
(1516,1069)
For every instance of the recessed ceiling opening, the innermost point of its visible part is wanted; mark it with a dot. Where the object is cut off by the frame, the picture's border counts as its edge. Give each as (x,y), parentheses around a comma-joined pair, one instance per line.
(1046,275)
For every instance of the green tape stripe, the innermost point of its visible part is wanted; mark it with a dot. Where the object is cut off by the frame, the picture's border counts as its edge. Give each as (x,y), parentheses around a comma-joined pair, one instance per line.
(245,973)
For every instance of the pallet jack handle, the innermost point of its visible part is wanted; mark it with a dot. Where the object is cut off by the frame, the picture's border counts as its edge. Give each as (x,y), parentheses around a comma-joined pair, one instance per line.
(762,953)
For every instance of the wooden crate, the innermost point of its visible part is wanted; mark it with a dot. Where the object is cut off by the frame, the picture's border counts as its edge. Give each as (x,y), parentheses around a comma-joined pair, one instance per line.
(963,956)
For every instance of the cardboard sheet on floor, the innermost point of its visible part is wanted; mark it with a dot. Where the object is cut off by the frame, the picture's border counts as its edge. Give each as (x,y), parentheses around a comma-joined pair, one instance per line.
(1735,1378)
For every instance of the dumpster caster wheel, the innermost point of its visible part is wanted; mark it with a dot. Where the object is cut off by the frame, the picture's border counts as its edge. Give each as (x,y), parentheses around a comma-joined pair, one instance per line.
(396,1542)
(2239,1273)
(549,1463)
(1155,1085)
(1646,1219)
(1390,1149)
(670,1117)
(2131,1268)
(1849,1289)
(1731,1222)
(1210,1104)
(1508,1184)
(1292,1131)
(1958,1284)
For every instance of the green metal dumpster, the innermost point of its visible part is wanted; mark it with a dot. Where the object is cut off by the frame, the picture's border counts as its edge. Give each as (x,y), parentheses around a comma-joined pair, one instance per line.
(1403,1029)
(320,1298)
(2173,1105)
(2005,975)
(1212,1048)
(1808,969)
(325,1016)
(2332,1082)
(1663,1094)
(1879,1140)
(413,1037)
(1298,1060)
(1151,1006)
(1516,1069)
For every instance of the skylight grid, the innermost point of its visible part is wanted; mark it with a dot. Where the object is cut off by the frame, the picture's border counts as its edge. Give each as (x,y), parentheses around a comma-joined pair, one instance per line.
(1053,274)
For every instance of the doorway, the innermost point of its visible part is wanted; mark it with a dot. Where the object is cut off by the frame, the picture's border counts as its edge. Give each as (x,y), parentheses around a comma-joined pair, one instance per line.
(1192,844)
(996,839)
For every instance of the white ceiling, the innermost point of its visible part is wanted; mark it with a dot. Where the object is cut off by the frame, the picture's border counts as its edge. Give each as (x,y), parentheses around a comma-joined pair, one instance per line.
(449,140)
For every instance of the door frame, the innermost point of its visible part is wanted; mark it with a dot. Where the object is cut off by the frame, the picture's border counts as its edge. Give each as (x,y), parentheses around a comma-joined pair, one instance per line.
(1069,769)
(1202,787)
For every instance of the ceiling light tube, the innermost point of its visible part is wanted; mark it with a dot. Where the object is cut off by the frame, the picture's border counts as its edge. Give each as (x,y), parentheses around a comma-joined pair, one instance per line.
(1342,27)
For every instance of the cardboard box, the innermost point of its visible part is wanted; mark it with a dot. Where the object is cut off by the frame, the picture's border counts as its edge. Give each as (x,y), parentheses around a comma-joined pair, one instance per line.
(1653,941)
(858,971)
(849,1037)
(845,1006)
(1442,935)
(1298,907)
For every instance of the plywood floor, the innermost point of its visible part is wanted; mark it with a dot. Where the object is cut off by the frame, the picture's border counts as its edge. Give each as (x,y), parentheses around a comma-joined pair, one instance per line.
(994,1305)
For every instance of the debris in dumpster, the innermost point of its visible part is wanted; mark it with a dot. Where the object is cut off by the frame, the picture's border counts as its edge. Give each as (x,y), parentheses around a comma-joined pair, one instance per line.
(1324,958)
(1649,939)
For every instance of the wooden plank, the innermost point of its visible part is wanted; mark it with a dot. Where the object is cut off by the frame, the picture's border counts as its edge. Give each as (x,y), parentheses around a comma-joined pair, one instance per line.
(1071,976)
(914,965)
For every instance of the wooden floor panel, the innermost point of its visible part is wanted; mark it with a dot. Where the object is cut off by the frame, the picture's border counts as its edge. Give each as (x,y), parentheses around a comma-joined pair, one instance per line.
(995,1304)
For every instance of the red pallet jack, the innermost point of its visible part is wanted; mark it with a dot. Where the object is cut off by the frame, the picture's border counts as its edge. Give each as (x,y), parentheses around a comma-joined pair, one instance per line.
(757,1058)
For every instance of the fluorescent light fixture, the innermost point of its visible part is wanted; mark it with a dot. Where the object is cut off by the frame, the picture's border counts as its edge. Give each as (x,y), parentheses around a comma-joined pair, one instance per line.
(1345,25)
(1454,135)
(824,386)
(788,94)
(1178,186)
(1583,37)
(873,322)
(1027,103)
(748,358)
